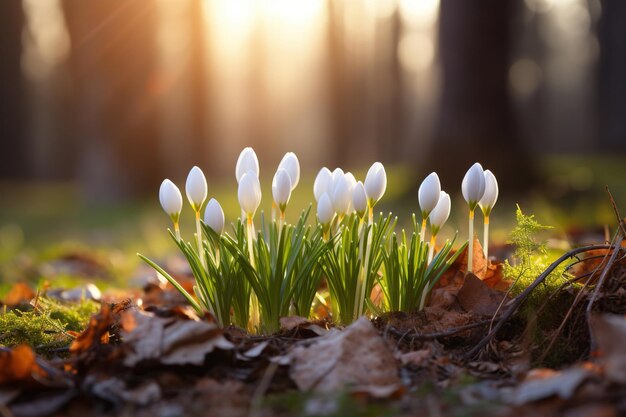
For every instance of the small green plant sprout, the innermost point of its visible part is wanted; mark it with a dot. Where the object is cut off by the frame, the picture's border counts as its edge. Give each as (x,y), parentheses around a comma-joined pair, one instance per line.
(351,269)
(473,188)
(172,203)
(428,197)
(375,186)
(486,204)
(438,217)
(196,189)
(325,214)
(408,276)
(286,271)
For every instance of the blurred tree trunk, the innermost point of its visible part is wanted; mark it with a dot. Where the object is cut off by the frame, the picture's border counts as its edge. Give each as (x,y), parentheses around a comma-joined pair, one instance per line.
(13,161)
(475,119)
(117,87)
(612,36)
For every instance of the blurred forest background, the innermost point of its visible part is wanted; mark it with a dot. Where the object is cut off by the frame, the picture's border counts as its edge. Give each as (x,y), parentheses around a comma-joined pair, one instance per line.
(111,96)
(120,93)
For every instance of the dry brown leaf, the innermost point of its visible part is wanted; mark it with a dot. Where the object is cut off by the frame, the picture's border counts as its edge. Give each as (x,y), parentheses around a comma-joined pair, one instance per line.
(546,383)
(18,365)
(171,341)
(476,297)
(116,391)
(20,293)
(291,323)
(96,333)
(609,332)
(357,358)
(416,357)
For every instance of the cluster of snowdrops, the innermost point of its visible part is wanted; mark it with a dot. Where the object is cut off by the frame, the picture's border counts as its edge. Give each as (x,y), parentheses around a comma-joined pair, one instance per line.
(252,277)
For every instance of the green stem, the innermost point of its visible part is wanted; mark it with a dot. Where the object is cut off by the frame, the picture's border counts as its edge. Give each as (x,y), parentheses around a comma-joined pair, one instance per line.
(254,301)
(199,239)
(486,238)
(423,232)
(470,246)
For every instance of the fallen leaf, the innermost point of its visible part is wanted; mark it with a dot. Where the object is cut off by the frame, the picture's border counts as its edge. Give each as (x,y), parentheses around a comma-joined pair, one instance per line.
(170,341)
(43,404)
(96,333)
(357,358)
(416,357)
(476,297)
(291,323)
(18,365)
(547,383)
(609,332)
(116,391)
(19,294)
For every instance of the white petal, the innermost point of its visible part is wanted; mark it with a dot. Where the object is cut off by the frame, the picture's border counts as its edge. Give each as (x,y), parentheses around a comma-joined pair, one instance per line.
(428,194)
(375,182)
(325,210)
(491,191)
(249,193)
(170,197)
(281,187)
(247,161)
(473,186)
(322,183)
(196,188)
(342,194)
(291,164)
(441,212)
(359,199)
(214,216)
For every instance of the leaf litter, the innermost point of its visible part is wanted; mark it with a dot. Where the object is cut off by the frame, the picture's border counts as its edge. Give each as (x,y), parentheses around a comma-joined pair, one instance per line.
(160,358)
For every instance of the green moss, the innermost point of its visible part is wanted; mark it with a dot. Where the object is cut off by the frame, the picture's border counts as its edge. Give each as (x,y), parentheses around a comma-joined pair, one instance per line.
(45,328)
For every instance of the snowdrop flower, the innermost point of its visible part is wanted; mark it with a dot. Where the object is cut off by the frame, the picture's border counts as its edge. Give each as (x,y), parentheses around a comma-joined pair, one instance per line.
(249,194)
(351,184)
(375,184)
(196,188)
(359,199)
(341,195)
(439,215)
(281,189)
(486,203)
(291,164)
(490,196)
(428,197)
(247,161)
(214,216)
(473,189)
(325,211)
(473,186)
(429,193)
(171,199)
(322,183)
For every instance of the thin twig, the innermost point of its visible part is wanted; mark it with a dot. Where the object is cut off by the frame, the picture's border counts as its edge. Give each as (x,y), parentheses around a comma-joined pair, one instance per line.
(517,302)
(433,336)
(620,221)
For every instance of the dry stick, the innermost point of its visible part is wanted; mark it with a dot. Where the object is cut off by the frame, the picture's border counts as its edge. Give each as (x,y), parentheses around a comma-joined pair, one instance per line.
(619,218)
(574,304)
(433,336)
(520,298)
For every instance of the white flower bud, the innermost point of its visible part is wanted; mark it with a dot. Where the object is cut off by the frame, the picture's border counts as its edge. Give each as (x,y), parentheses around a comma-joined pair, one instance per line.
(322,183)
(351,184)
(375,183)
(439,215)
(341,194)
(214,216)
(428,194)
(473,186)
(359,199)
(281,188)
(291,164)
(249,193)
(325,210)
(491,193)
(196,188)
(171,199)
(247,161)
